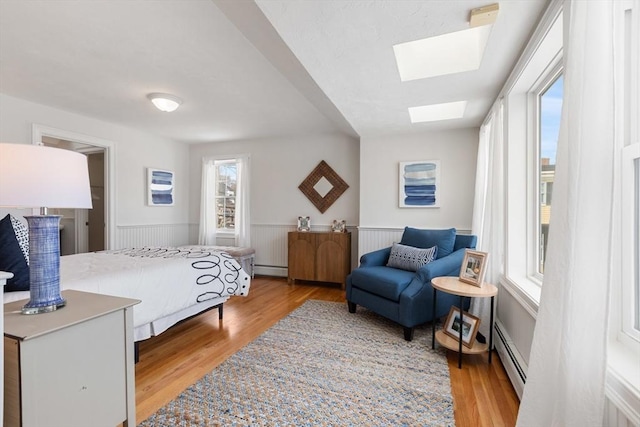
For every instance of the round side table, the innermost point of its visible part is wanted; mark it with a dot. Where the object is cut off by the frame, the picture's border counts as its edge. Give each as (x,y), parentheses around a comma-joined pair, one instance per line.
(452,285)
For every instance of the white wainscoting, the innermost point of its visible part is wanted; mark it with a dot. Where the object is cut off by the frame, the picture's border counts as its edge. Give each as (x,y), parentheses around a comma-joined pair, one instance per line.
(270,243)
(268,240)
(615,417)
(131,236)
(371,239)
(622,405)
(374,238)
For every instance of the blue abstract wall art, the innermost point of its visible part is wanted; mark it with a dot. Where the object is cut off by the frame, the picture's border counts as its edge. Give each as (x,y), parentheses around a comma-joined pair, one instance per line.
(160,187)
(419,184)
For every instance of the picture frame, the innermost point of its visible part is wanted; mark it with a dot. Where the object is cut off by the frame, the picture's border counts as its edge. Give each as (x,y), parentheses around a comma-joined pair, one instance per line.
(470,325)
(160,187)
(473,267)
(304,223)
(419,184)
(339,226)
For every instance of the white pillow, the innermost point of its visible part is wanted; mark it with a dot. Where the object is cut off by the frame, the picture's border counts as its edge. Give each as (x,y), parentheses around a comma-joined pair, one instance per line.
(410,258)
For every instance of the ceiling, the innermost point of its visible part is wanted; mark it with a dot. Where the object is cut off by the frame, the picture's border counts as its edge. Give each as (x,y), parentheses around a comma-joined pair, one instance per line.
(249,69)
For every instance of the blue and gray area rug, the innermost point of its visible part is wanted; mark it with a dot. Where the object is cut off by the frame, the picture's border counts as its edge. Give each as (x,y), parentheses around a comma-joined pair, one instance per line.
(322,366)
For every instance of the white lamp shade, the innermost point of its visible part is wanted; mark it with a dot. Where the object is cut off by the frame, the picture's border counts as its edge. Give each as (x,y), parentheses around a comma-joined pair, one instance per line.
(34,176)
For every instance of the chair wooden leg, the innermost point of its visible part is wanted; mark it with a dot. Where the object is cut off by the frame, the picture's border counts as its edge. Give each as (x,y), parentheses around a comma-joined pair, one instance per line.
(352,306)
(408,333)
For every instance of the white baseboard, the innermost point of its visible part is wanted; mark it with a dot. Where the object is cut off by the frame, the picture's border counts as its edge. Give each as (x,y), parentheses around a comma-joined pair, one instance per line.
(511,359)
(270,271)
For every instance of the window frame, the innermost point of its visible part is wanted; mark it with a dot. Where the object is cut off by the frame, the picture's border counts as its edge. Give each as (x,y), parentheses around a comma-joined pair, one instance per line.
(628,333)
(543,63)
(622,385)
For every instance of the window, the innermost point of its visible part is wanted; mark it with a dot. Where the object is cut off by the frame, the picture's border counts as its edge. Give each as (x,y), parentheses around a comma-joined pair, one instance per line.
(532,97)
(224,210)
(628,139)
(549,111)
(226,172)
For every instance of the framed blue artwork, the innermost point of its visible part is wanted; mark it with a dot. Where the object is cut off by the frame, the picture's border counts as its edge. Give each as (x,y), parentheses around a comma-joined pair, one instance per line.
(160,187)
(419,184)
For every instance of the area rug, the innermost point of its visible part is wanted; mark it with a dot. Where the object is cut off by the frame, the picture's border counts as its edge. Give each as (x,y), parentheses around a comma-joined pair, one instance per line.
(322,366)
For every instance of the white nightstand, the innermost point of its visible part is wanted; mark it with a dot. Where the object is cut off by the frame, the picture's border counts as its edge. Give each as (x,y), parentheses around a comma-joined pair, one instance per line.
(71,367)
(4,276)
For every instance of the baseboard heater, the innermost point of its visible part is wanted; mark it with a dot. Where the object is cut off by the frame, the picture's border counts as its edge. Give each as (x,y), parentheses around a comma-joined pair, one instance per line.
(511,359)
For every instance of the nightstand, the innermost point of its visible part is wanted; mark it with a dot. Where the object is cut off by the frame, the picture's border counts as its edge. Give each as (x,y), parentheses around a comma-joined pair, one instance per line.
(452,285)
(71,367)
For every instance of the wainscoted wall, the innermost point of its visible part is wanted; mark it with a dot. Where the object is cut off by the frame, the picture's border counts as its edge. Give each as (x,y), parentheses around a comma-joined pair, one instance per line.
(614,416)
(622,406)
(373,238)
(269,241)
(129,236)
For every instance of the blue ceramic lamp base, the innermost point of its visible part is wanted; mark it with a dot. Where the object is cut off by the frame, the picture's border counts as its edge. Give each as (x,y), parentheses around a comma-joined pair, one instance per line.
(44,264)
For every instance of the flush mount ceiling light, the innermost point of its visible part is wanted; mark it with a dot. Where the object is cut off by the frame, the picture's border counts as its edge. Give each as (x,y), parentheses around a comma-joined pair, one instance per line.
(164,101)
(435,112)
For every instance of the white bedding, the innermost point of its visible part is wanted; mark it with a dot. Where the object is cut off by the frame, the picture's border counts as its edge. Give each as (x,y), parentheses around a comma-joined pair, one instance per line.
(171,283)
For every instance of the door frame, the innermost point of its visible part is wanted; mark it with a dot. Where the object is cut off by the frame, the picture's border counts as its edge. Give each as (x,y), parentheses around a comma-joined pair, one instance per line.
(38,131)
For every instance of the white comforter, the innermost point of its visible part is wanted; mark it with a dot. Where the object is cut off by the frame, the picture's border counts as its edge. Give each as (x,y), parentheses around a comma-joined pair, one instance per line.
(165,280)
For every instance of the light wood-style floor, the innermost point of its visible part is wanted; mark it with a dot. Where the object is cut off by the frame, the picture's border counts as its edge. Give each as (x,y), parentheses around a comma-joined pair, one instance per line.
(169,363)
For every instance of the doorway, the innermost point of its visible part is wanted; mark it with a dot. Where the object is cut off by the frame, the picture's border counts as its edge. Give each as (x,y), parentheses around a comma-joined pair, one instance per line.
(83,230)
(88,230)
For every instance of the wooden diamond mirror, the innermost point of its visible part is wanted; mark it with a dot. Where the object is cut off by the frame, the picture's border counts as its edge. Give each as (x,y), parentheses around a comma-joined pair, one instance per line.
(323,180)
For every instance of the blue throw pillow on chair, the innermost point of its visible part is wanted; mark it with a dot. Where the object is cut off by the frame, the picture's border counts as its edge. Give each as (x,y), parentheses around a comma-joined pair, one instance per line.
(443,239)
(410,258)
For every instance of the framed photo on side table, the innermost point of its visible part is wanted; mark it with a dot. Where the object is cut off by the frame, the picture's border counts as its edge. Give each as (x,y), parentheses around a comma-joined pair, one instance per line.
(468,323)
(473,267)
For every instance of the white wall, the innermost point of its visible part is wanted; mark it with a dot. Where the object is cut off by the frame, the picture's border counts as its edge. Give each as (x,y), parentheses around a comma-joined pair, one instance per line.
(278,166)
(379,178)
(135,151)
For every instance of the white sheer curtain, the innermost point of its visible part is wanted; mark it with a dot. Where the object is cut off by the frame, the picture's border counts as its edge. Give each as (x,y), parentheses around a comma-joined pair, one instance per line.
(567,365)
(488,207)
(243,221)
(208,223)
(208,220)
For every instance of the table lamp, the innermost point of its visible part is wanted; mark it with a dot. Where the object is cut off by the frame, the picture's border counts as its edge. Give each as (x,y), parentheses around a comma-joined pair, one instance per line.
(35,176)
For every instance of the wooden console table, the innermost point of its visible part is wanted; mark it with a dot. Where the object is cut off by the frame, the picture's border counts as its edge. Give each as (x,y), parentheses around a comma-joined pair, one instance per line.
(318,256)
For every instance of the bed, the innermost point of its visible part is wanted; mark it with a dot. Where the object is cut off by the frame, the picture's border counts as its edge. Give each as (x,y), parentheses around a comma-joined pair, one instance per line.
(244,255)
(171,283)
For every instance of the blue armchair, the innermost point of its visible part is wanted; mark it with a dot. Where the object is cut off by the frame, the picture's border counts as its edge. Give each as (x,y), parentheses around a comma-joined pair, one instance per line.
(406,297)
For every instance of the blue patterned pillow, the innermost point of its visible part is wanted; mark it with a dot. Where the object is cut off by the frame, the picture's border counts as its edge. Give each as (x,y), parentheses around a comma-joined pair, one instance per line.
(22,234)
(12,258)
(410,258)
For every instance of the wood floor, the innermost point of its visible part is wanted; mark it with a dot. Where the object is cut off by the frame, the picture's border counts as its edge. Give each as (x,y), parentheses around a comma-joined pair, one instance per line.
(169,363)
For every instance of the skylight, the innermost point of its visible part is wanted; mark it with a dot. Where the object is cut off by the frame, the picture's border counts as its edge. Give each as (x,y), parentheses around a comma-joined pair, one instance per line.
(445,54)
(435,112)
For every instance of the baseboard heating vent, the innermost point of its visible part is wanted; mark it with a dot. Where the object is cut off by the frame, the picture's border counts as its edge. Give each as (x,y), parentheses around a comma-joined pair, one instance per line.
(513,363)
